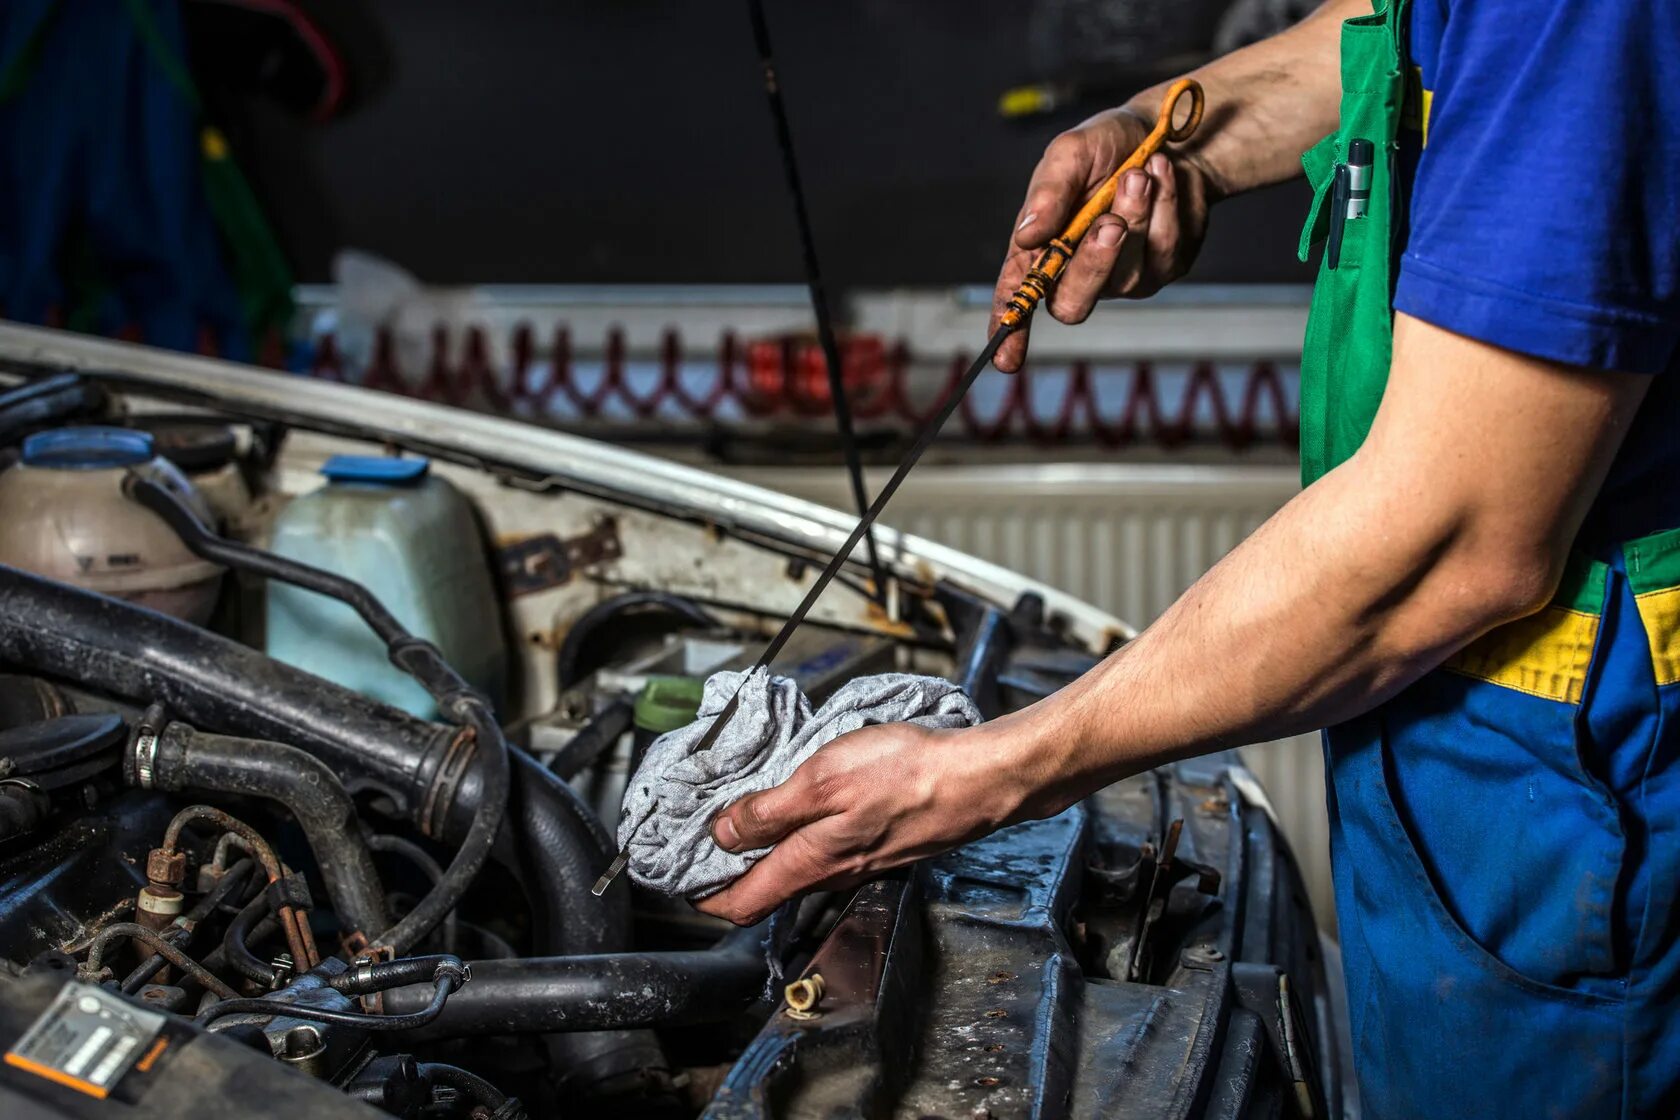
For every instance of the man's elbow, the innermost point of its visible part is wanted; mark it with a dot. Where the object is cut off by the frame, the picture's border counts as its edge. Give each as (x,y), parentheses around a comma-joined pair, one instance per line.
(1499,585)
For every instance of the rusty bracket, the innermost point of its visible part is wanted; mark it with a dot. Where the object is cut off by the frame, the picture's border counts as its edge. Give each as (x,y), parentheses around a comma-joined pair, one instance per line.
(538,563)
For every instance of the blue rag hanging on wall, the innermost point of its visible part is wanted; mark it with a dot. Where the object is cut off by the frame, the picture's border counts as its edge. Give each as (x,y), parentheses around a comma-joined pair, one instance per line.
(106,223)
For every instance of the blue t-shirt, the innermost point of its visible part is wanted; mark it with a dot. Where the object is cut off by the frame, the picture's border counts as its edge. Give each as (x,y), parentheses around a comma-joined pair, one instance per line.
(1545,207)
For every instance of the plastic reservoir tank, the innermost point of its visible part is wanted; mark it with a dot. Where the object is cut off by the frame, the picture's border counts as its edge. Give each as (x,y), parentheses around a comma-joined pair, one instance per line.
(412,540)
(63,515)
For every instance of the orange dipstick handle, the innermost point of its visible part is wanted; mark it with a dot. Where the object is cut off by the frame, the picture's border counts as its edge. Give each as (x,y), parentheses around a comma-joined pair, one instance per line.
(1035,285)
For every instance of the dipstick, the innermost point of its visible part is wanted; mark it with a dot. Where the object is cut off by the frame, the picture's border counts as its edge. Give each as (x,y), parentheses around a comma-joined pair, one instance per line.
(1034,286)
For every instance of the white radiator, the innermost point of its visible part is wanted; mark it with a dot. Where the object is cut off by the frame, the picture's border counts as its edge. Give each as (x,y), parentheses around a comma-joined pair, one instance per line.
(1126,537)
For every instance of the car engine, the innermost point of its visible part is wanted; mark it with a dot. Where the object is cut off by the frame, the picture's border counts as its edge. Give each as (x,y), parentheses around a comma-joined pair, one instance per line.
(267,850)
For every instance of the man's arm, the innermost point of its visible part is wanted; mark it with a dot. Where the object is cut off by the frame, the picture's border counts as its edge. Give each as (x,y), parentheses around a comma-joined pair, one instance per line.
(1454,516)
(1266,104)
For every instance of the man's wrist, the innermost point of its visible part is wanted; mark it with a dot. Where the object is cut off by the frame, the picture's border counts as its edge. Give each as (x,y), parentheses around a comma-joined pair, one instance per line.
(1033,758)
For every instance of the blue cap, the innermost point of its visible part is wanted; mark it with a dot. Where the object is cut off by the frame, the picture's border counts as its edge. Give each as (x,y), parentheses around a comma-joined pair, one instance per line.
(87,449)
(376,468)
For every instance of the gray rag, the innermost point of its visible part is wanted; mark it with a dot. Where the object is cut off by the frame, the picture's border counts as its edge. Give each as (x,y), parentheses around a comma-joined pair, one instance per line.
(670,802)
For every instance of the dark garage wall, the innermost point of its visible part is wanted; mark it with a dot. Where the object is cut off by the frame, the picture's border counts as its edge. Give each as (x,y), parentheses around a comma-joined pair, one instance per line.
(531,141)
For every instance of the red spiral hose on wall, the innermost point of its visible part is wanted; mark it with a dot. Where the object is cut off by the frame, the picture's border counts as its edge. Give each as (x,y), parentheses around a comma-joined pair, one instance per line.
(783,378)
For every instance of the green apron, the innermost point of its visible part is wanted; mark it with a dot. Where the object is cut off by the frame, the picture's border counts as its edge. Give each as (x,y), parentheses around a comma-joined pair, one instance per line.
(1344,358)
(1503,832)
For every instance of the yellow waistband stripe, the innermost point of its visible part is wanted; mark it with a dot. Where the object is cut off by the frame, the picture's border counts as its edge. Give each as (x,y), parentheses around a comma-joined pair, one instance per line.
(1545,654)
(1660,612)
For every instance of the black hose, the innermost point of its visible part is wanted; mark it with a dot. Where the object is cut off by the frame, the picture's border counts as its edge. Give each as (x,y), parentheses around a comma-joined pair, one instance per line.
(115,647)
(237,938)
(441,989)
(609,991)
(48,401)
(420,659)
(553,843)
(474,852)
(366,977)
(214,682)
(218,958)
(185,760)
(417,657)
(562,845)
(468,1084)
(592,739)
(429,867)
(180,933)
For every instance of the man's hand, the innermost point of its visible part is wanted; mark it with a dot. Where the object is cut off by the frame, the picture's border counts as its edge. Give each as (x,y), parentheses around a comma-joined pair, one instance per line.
(1266,104)
(1148,239)
(874,799)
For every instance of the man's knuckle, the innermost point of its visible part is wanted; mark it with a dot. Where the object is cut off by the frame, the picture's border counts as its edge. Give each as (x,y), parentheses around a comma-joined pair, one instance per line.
(1070,144)
(1071,313)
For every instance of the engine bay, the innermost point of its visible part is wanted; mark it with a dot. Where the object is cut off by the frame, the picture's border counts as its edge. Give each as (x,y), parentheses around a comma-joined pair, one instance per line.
(313,736)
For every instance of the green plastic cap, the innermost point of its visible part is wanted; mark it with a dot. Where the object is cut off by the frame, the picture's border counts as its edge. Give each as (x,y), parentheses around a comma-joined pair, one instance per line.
(667,703)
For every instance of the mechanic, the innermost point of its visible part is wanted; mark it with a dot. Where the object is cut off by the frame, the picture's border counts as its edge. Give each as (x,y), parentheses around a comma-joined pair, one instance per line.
(1478,590)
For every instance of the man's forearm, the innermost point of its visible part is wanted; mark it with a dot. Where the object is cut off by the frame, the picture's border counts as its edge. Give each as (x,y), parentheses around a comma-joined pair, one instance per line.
(1266,103)
(1444,525)
(1313,619)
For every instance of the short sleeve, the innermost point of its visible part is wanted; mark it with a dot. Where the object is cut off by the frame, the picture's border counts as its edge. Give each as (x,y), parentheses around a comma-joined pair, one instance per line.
(1545,211)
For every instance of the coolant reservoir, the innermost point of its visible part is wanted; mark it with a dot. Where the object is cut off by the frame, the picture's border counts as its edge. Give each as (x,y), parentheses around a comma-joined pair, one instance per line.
(412,540)
(63,515)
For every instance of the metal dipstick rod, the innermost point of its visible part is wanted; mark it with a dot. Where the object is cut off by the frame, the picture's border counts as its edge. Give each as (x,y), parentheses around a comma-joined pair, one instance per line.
(1037,283)
(820,308)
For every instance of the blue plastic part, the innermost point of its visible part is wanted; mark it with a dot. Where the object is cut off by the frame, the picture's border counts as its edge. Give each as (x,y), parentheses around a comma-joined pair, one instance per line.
(87,449)
(376,468)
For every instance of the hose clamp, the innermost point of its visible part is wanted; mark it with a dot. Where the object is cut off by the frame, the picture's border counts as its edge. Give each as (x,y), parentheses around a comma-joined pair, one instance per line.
(457,971)
(145,756)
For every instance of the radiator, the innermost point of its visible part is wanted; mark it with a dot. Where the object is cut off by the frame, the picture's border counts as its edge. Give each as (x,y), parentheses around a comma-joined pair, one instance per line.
(1126,537)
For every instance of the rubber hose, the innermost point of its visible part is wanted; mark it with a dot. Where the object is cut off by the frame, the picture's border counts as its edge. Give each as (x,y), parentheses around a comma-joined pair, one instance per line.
(236,943)
(553,841)
(421,859)
(417,657)
(187,760)
(593,739)
(609,991)
(217,959)
(366,977)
